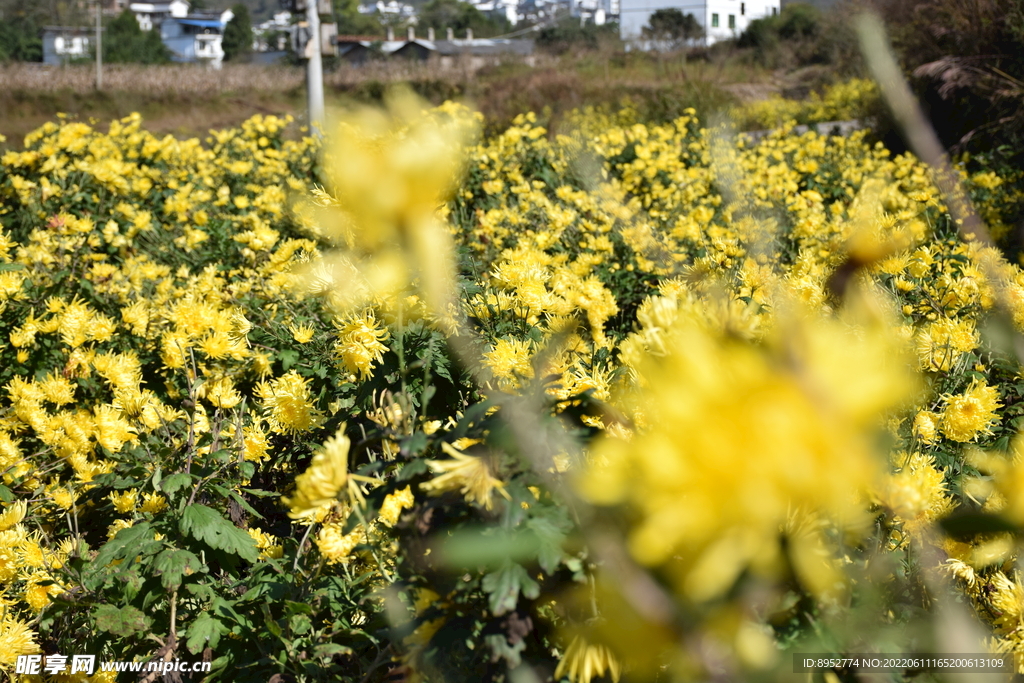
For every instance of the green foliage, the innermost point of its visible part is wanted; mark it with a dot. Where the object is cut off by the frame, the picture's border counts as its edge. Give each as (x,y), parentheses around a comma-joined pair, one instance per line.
(673,27)
(20,40)
(125,42)
(237,42)
(459,16)
(352,22)
(568,36)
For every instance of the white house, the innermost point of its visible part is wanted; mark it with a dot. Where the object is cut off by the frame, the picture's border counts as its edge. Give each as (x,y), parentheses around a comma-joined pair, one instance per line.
(151,14)
(64,43)
(721,19)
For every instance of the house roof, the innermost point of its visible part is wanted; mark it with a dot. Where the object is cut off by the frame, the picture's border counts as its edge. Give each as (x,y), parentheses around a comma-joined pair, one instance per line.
(205,23)
(480,46)
(477,46)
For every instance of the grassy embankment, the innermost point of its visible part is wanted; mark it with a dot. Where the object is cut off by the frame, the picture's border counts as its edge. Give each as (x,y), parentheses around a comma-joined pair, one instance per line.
(188,101)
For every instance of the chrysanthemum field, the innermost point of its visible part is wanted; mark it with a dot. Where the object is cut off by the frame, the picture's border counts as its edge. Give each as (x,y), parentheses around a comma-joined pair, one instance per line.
(408,403)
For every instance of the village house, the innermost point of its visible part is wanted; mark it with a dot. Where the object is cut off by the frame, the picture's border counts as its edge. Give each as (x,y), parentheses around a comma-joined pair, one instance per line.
(721,19)
(151,15)
(446,53)
(62,44)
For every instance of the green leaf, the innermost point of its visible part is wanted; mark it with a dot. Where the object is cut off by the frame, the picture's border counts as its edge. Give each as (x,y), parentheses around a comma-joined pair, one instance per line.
(245,506)
(201,591)
(176,482)
(172,564)
(505,585)
(270,622)
(128,543)
(501,649)
(414,468)
(288,358)
(551,529)
(300,624)
(205,630)
(330,649)
(5,494)
(207,525)
(122,621)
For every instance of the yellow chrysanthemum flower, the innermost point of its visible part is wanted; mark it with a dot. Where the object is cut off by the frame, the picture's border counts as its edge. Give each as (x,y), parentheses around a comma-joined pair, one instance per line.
(967,416)
(336,545)
(288,404)
(926,426)
(16,638)
(13,514)
(360,344)
(125,502)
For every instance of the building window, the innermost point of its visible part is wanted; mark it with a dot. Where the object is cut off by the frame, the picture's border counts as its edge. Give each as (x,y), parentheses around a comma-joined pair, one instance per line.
(732,21)
(775,10)
(714,21)
(743,9)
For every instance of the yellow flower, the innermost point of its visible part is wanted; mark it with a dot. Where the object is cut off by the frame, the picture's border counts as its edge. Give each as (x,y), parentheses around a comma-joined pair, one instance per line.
(584,661)
(917,494)
(359,344)
(742,435)
(16,638)
(266,543)
(125,502)
(13,514)
(391,171)
(153,503)
(301,333)
(970,414)
(323,480)
(466,473)
(288,404)
(509,361)
(222,393)
(63,498)
(394,503)
(926,426)
(336,545)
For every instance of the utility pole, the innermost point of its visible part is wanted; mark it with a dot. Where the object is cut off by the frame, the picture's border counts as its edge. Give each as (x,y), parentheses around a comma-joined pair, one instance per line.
(99,45)
(314,67)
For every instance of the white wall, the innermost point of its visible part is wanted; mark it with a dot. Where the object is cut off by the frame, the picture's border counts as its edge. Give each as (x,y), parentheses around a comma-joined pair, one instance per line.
(635,14)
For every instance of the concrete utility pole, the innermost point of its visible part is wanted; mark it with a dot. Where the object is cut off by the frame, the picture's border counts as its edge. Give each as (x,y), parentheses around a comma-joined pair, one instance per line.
(99,45)
(314,66)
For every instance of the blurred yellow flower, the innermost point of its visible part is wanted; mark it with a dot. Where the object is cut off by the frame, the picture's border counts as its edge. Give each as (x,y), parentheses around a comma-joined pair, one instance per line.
(469,474)
(585,661)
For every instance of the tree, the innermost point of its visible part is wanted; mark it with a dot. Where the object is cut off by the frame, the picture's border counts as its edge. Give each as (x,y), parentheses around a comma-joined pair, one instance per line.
(458,16)
(673,28)
(351,22)
(125,42)
(19,40)
(567,35)
(238,34)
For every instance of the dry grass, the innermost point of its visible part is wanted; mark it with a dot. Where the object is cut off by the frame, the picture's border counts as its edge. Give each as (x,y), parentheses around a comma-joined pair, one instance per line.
(155,80)
(187,79)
